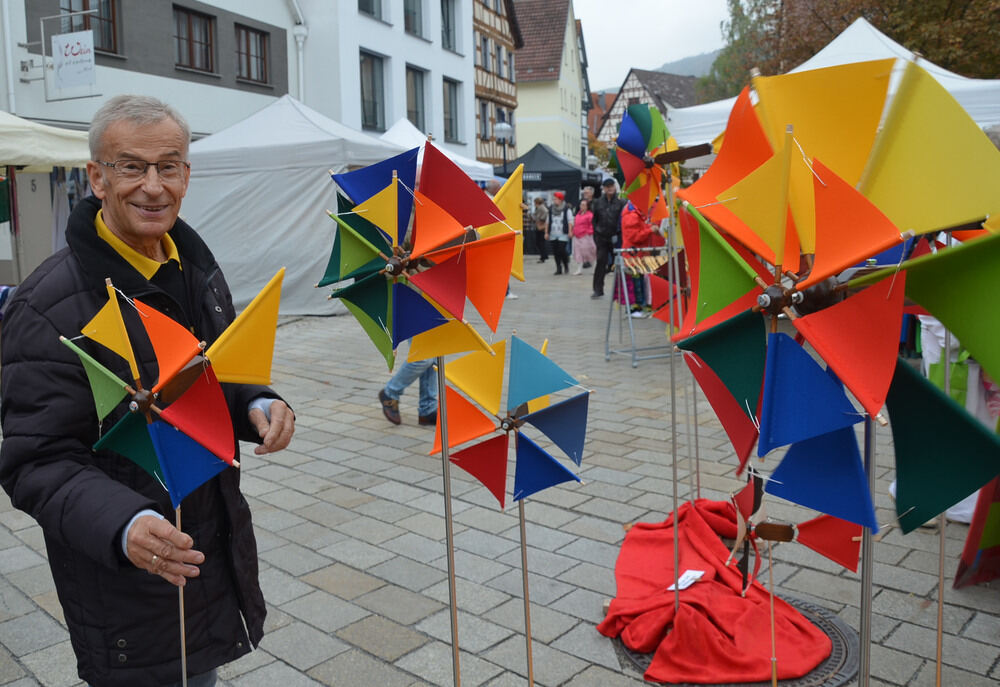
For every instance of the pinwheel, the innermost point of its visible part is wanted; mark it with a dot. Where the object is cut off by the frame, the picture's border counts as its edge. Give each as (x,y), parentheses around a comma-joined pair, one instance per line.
(784,181)
(531,378)
(179,429)
(399,289)
(642,135)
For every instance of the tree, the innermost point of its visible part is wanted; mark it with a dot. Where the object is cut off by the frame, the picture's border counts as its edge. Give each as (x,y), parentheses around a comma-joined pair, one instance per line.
(777,35)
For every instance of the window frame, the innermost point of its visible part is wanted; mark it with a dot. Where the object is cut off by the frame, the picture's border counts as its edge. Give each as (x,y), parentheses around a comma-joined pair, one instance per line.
(379,114)
(84,22)
(376,12)
(449,25)
(451,96)
(210,44)
(419,91)
(246,59)
(413,18)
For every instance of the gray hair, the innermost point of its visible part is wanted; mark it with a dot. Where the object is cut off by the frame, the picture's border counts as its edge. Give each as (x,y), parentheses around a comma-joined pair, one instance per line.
(137,109)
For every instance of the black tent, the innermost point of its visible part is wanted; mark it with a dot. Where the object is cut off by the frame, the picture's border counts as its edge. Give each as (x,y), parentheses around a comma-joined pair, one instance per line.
(546,170)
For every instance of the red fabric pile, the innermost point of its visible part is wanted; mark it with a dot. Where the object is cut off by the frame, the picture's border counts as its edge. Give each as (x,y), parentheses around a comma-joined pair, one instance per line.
(717,636)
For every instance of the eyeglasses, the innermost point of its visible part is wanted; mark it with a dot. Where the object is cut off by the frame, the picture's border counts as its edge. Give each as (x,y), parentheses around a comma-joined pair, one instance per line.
(133,170)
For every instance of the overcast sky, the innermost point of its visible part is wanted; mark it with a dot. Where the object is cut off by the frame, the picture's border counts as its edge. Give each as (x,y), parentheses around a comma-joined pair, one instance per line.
(621,34)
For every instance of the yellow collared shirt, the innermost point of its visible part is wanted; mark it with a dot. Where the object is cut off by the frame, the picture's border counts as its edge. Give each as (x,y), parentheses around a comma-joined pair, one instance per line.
(147,267)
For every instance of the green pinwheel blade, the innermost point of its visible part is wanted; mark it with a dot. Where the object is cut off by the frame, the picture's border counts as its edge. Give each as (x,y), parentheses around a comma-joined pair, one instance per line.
(369,300)
(107,388)
(130,437)
(356,249)
(723,276)
(644,120)
(660,133)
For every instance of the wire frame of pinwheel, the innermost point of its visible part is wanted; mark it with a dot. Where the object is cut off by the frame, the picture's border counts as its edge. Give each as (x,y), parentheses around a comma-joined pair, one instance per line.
(402,288)
(531,378)
(642,135)
(178,428)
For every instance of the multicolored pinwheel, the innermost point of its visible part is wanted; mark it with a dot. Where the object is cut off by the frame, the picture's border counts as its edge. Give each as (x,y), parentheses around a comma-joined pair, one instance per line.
(642,136)
(179,430)
(402,289)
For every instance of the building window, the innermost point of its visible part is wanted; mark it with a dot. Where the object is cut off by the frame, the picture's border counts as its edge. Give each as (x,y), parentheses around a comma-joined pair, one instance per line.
(372,92)
(413,17)
(251,54)
(194,40)
(485,50)
(499,63)
(484,120)
(101,21)
(449,22)
(373,8)
(498,6)
(415,97)
(451,111)
(510,66)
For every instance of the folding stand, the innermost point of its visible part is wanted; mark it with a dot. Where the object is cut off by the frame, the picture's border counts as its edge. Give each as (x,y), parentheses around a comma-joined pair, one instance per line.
(619,271)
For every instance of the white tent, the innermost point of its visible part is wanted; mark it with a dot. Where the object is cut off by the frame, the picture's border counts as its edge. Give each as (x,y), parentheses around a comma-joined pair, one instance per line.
(404,133)
(23,142)
(259,194)
(859,42)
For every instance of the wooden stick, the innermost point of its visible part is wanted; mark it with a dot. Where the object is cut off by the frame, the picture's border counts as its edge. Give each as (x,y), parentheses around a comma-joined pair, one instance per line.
(180,600)
(774,645)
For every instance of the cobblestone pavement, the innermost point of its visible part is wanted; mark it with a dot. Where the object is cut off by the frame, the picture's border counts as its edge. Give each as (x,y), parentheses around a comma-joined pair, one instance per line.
(351,532)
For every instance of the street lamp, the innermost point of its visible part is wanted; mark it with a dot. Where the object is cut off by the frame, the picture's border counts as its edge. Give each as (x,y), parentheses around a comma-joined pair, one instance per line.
(503,132)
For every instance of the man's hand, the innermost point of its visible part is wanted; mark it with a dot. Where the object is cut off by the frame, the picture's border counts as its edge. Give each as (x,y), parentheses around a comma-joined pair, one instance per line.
(158,547)
(278,432)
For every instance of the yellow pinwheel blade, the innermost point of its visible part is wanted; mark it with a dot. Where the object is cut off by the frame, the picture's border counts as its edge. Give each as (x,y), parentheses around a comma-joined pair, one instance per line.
(480,376)
(756,199)
(898,179)
(108,329)
(243,353)
(455,336)
(381,210)
(508,199)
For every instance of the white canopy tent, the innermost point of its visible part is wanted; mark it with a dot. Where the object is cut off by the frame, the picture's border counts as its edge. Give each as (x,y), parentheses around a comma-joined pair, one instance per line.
(404,133)
(859,42)
(259,194)
(27,143)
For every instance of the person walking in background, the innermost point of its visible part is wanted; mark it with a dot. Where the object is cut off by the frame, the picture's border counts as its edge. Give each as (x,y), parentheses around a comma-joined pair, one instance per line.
(405,376)
(560,225)
(584,250)
(607,211)
(540,216)
(637,233)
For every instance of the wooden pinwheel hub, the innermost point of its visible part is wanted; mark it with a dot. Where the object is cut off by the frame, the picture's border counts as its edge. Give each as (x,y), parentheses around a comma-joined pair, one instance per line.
(141,402)
(776,298)
(398,263)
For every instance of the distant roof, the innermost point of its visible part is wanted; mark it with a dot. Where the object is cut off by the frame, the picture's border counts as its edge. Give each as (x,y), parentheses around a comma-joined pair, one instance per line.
(515,28)
(543,27)
(669,90)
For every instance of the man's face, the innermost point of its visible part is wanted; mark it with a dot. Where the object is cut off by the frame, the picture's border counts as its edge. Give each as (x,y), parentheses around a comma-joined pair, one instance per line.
(588,192)
(140,211)
(609,191)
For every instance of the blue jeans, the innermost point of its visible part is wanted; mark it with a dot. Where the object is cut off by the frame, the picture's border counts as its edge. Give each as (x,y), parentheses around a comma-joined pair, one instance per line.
(406,375)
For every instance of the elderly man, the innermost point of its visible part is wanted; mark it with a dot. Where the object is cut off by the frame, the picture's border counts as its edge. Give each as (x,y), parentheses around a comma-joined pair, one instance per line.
(607,211)
(114,557)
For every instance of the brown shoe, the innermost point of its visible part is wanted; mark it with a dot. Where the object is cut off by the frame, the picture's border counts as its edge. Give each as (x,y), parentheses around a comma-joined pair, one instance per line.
(428,419)
(390,408)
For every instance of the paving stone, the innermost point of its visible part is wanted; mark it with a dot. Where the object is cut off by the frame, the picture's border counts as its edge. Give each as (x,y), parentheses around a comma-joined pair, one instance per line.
(415,546)
(596,552)
(279,587)
(299,645)
(54,666)
(27,633)
(387,511)
(402,605)
(275,673)
(983,627)
(244,664)
(474,633)
(9,669)
(583,604)
(922,611)
(343,581)
(551,667)
(384,638)
(587,644)
(288,499)
(295,559)
(13,602)
(324,611)
(546,624)
(959,652)
(593,577)
(484,544)
(433,662)
(312,535)
(472,567)
(427,525)
(18,558)
(540,561)
(355,668)
(541,590)
(471,597)
(406,573)
(357,554)
(598,676)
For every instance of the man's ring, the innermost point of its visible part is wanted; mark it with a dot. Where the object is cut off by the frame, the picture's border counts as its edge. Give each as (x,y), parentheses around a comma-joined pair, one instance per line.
(155,561)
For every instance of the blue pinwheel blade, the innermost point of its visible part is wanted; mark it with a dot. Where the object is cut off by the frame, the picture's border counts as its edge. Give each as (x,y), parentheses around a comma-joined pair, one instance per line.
(565,423)
(800,399)
(630,137)
(536,469)
(186,464)
(532,375)
(411,314)
(362,184)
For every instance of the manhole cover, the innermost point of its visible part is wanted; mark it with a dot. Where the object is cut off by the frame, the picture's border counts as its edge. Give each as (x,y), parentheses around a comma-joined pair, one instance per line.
(838,669)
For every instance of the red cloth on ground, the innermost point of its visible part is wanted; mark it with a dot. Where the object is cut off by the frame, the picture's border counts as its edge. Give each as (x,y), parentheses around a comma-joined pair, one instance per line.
(717,636)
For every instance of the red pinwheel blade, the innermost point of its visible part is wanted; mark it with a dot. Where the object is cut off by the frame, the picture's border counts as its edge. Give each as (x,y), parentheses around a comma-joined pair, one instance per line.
(202,414)
(445,283)
(173,345)
(487,462)
(446,184)
(833,538)
(631,165)
(737,424)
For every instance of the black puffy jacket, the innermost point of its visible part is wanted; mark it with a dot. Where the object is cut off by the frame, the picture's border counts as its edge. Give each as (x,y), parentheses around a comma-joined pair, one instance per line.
(123,622)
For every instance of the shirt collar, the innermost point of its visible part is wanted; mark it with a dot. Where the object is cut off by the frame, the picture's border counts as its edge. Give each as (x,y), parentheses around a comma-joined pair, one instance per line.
(147,267)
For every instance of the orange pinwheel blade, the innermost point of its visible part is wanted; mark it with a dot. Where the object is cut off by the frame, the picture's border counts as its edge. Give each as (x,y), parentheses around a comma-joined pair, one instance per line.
(488,269)
(432,227)
(465,422)
(173,345)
